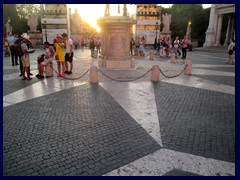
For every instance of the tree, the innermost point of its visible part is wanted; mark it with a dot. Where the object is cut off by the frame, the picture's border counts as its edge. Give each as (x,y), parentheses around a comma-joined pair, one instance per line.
(182,13)
(25,9)
(9,11)
(18,14)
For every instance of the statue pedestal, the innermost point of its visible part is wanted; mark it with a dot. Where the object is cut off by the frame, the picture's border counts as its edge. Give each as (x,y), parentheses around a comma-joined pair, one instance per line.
(166,34)
(115,44)
(35,37)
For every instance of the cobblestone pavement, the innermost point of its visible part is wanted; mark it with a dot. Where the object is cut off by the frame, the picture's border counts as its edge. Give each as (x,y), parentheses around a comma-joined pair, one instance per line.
(183,126)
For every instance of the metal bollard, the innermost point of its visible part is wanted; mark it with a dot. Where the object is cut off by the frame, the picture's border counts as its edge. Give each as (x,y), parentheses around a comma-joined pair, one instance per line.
(188,70)
(173,59)
(155,73)
(152,56)
(93,74)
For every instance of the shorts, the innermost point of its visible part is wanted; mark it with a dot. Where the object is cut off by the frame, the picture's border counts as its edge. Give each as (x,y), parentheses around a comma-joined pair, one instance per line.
(46,62)
(25,62)
(67,58)
(230,52)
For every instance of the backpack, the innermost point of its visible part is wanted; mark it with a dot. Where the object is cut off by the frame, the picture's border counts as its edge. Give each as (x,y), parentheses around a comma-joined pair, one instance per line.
(18,48)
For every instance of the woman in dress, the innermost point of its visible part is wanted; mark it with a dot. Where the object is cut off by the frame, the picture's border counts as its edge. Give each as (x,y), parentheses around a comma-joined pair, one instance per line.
(59,57)
(141,46)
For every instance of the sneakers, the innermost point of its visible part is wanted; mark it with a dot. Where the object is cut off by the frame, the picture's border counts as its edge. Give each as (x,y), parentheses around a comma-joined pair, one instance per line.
(68,72)
(40,76)
(61,75)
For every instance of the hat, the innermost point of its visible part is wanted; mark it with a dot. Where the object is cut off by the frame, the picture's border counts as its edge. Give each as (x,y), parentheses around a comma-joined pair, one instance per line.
(25,36)
(59,36)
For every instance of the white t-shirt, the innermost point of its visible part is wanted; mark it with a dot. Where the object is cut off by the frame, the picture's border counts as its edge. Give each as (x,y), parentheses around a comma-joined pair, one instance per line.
(176,43)
(69,43)
(24,47)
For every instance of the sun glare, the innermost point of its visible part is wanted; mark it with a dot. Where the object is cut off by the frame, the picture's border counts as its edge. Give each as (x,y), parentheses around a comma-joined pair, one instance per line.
(91,12)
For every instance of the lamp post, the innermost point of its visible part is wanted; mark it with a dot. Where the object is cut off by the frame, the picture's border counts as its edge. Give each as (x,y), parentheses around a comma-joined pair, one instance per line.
(188,35)
(45,22)
(189,29)
(155,42)
(156,29)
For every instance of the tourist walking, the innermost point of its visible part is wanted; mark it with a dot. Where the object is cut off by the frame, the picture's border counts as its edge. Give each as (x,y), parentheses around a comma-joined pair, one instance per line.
(163,48)
(76,44)
(11,39)
(47,59)
(69,53)
(168,46)
(59,57)
(98,44)
(158,46)
(6,48)
(185,43)
(231,47)
(176,46)
(92,46)
(141,47)
(25,58)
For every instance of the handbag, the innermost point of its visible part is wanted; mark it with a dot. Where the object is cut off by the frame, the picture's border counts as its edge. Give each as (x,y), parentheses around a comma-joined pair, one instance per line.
(57,57)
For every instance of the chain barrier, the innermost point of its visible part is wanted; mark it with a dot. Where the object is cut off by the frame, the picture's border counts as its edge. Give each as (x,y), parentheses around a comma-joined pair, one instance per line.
(71,78)
(125,80)
(180,63)
(161,59)
(166,76)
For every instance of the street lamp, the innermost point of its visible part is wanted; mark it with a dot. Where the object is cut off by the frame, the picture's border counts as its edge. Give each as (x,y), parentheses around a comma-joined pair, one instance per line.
(156,29)
(155,43)
(189,29)
(189,35)
(45,22)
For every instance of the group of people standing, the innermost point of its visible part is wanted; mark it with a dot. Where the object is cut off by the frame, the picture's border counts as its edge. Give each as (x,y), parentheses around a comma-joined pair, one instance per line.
(20,49)
(165,45)
(60,42)
(95,42)
(138,46)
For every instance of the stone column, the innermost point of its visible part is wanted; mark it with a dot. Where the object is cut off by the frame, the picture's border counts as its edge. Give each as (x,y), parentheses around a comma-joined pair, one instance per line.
(219,30)
(228,32)
(232,29)
(210,33)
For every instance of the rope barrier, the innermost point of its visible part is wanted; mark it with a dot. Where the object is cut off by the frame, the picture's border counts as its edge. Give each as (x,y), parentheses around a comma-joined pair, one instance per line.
(72,78)
(166,76)
(125,80)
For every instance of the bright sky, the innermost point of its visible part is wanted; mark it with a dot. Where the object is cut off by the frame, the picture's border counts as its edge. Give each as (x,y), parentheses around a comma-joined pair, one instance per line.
(91,12)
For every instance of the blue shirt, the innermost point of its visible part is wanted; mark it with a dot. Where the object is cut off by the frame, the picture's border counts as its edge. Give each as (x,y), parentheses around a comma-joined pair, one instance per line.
(11,40)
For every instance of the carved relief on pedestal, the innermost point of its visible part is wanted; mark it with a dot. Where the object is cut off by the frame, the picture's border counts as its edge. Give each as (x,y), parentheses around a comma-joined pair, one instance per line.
(117,43)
